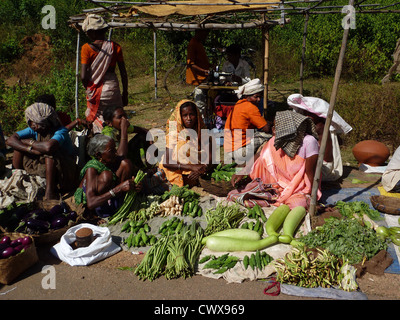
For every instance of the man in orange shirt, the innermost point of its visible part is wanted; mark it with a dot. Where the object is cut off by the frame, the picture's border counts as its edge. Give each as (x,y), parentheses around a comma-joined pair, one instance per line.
(197,68)
(239,143)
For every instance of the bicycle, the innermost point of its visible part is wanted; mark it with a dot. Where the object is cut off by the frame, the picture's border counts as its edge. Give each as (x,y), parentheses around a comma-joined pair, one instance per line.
(175,78)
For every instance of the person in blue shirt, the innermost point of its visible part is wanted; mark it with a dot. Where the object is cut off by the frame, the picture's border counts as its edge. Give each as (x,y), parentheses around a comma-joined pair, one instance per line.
(45,148)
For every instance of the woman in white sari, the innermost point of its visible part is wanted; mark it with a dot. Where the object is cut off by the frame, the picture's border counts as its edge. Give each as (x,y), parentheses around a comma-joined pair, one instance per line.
(99,60)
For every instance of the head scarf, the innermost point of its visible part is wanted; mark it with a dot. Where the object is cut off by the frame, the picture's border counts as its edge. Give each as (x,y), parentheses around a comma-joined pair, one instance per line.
(42,113)
(290,129)
(94,22)
(185,149)
(252,87)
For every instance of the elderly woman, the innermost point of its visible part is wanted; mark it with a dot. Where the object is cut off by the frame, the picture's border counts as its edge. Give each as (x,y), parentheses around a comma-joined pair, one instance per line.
(99,60)
(283,172)
(246,115)
(105,179)
(45,149)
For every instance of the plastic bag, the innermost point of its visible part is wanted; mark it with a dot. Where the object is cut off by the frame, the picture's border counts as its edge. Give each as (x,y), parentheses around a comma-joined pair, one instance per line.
(101,248)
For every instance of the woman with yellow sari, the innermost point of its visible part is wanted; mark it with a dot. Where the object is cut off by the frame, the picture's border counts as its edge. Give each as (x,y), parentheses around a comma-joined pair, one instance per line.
(185,159)
(186,156)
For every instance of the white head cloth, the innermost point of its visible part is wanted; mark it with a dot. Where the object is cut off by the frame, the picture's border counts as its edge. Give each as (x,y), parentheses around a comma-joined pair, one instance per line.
(320,108)
(252,87)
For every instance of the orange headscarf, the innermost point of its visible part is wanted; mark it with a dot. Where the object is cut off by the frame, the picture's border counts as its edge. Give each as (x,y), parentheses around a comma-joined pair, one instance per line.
(184,143)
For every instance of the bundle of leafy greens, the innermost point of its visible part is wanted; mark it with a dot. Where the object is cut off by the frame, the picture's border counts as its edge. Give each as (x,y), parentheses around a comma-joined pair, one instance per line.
(357,208)
(345,238)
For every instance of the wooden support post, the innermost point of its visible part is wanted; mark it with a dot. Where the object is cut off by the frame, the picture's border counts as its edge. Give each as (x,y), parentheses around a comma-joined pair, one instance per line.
(155,63)
(317,176)
(266,66)
(77,76)
(303,52)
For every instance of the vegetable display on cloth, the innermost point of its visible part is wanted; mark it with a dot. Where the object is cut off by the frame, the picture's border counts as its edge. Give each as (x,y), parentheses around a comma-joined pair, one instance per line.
(173,255)
(346,238)
(171,226)
(129,201)
(25,219)
(312,269)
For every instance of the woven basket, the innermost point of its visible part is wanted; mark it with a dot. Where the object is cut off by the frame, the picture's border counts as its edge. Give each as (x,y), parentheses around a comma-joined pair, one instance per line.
(389,205)
(53,235)
(220,188)
(13,266)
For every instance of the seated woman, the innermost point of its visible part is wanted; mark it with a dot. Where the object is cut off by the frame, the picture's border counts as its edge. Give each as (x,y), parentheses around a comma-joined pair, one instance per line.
(45,149)
(246,115)
(184,160)
(285,166)
(317,109)
(117,126)
(105,179)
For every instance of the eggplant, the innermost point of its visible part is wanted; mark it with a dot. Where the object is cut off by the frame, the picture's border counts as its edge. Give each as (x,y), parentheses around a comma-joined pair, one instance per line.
(38,225)
(39,214)
(8,252)
(6,240)
(3,246)
(14,243)
(59,222)
(19,248)
(21,212)
(56,210)
(26,241)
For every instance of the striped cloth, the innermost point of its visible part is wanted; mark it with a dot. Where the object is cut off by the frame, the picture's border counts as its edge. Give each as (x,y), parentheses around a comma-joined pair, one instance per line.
(290,129)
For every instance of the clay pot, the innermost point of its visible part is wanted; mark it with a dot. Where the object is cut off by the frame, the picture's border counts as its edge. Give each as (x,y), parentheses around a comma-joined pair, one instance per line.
(84,237)
(371,152)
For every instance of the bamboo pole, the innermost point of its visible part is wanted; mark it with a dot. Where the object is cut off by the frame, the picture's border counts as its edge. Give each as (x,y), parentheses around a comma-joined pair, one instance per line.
(155,63)
(317,176)
(266,66)
(303,52)
(77,76)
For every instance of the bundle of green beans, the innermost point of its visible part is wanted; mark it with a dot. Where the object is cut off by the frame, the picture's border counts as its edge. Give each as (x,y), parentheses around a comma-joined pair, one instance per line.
(129,201)
(173,255)
(223,217)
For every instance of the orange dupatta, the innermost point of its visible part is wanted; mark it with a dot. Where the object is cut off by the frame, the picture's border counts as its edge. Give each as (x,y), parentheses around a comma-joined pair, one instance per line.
(184,151)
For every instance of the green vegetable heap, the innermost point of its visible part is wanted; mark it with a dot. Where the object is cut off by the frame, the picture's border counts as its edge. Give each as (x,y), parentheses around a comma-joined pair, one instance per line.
(346,238)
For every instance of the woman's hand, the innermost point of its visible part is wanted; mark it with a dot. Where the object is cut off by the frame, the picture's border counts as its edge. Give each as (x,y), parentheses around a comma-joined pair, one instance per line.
(236,178)
(197,171)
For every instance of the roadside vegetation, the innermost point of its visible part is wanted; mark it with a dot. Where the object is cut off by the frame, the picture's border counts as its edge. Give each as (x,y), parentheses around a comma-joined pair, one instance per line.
(371,108)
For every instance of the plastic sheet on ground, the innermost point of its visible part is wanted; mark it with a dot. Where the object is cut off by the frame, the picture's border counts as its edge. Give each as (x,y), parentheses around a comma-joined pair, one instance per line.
(328,293)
